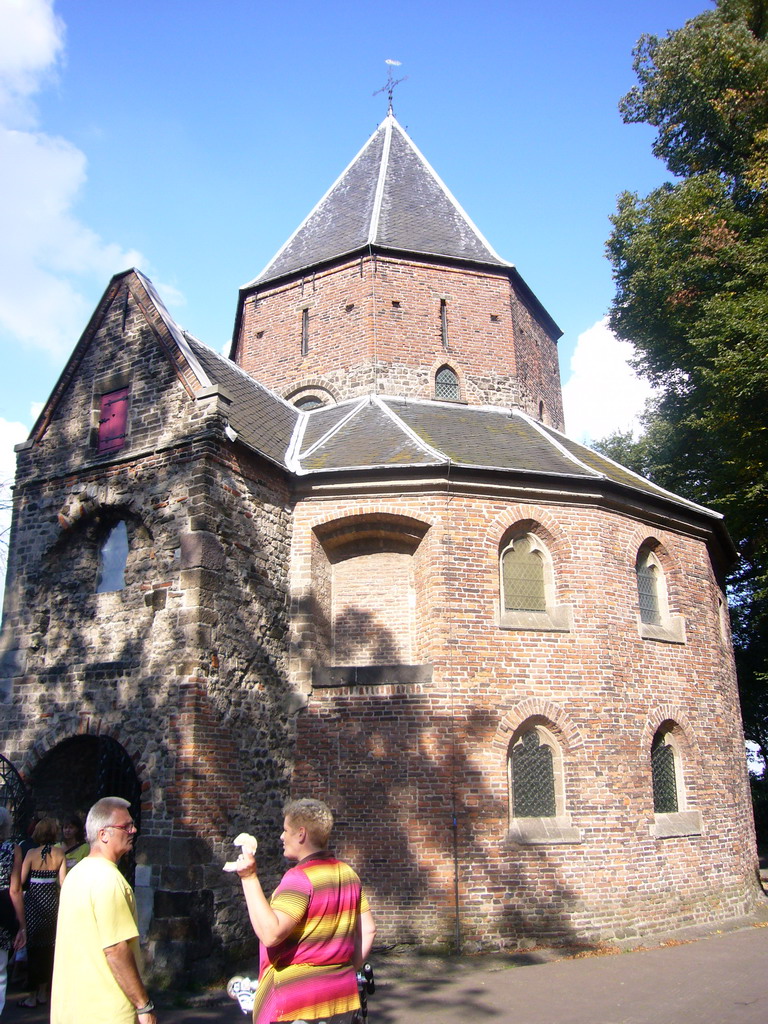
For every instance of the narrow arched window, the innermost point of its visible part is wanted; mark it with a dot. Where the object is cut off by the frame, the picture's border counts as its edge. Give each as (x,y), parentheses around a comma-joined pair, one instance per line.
(533,778)
(304,331)
(447,384)
(654,618)
(113,559)
(673,814)
(664,774)
(522,570)
(537,805)
(309,402)
(648,588)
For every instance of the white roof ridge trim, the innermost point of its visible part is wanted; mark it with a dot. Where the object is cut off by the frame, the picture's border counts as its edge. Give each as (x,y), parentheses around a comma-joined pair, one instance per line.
(176,331)
(373,227)
(336,428)
(418,441)
(292,460)
(316,207)
(678,498)
(561,448)
(447,192)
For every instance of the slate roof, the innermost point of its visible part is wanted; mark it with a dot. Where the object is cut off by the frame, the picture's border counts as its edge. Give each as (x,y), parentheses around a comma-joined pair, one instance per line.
(383,435)
(388,197)
(387,434)
(263,420)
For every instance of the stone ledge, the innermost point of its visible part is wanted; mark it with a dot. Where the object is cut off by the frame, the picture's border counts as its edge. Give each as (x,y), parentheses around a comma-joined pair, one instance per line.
(677,823)
(370,675)
(537,831)
(670,631)
(557,619)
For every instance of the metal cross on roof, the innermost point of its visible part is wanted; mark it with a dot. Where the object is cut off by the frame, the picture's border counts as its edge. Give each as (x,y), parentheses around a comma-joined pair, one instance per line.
(389,88)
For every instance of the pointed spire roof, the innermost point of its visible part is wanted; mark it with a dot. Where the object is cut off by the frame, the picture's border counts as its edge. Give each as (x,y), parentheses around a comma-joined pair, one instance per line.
(388,198)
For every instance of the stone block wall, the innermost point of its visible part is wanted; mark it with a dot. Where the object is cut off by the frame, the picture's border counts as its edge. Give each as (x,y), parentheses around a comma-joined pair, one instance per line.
(184,667)
(417,770)
(375,324)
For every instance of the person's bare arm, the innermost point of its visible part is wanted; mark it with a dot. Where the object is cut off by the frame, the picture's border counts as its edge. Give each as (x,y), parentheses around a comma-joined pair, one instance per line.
(271,926)
(17,899)
(26,866)
(364,936)
(122,963)
(62,869)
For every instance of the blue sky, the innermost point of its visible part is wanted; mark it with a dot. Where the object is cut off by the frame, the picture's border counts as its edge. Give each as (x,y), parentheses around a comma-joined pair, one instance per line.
(191,138)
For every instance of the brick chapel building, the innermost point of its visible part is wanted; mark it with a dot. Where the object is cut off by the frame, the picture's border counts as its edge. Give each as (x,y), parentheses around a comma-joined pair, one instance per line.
(360,560)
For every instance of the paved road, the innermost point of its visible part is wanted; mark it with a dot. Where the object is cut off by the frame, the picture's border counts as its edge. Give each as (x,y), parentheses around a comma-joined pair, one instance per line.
(721,978)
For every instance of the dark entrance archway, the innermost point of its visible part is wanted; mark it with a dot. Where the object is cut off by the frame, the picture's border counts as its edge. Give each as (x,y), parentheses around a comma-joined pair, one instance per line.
(78,772)
(14,796)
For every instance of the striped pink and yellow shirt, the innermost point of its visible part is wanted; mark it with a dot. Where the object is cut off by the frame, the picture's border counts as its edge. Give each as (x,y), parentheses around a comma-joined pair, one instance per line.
(310,974)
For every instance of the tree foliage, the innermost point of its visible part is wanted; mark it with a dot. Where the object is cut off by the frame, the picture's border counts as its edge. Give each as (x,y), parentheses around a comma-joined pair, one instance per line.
(6,506)
(690,262)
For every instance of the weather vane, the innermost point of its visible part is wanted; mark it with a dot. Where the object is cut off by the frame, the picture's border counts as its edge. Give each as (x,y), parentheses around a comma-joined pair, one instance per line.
(389,88)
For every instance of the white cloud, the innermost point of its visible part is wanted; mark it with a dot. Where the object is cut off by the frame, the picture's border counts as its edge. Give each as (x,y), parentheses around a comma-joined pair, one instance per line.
(31,40)
(603,393)
(47,255)
(11,433)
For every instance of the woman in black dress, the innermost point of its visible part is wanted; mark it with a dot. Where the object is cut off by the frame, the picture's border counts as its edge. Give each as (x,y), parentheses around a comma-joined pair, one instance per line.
(42,872)
(12,925)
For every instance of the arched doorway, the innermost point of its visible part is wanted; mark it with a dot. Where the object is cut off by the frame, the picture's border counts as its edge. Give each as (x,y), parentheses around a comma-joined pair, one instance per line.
(14,796)
(77,772)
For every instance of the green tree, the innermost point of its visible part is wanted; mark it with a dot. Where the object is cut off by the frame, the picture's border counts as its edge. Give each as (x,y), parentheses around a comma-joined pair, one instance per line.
(690,262)
(6,508)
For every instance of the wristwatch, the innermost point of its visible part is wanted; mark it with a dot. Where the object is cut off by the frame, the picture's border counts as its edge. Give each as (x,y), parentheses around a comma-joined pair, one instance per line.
(145,1009)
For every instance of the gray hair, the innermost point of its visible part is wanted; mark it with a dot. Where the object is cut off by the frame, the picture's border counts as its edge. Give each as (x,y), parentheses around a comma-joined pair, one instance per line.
(6,822)
(100,815)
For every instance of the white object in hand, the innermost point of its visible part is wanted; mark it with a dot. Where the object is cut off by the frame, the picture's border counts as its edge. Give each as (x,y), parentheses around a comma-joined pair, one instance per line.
(246,843)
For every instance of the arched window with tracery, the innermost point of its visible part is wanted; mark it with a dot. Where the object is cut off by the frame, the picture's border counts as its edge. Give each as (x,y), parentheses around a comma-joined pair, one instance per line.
(522,572)
(654,617)
(664,774)
(536,778)
(533,778)
(527,586)
(447,384)
(672,813)
(650,581)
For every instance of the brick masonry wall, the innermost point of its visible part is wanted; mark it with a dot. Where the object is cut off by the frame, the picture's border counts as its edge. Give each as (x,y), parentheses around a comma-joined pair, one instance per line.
(375,325)
(373,625)
(395,759)
(185,667)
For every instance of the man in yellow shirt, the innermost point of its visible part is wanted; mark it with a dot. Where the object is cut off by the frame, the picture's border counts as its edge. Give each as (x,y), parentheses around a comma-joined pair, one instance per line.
(96,973)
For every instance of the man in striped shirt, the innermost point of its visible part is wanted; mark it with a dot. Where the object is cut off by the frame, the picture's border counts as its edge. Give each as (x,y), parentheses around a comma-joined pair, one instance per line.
(316,930)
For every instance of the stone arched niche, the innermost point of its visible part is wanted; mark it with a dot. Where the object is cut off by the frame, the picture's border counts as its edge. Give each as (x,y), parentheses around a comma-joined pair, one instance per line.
(80,770)
(367,584)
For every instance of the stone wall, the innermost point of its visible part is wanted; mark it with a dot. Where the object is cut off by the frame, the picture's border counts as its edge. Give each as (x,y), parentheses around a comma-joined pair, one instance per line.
(184,666)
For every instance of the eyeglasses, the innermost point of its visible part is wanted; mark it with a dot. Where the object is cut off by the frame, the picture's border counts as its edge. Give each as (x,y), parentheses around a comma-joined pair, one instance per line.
(130,827)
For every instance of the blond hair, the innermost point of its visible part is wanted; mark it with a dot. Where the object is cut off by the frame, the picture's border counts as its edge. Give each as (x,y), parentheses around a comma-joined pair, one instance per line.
(313,815)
